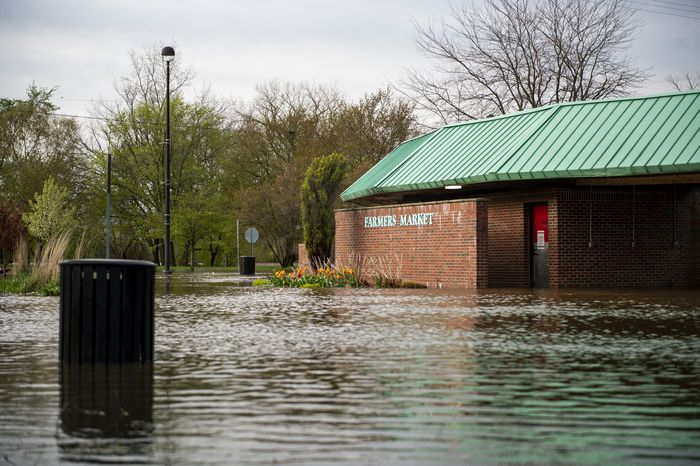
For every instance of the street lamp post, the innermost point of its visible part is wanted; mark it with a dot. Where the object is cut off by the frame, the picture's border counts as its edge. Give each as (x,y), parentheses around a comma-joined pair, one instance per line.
(168,54)
(109,201)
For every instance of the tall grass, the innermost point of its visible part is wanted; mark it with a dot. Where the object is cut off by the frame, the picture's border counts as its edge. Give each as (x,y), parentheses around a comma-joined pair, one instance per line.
(383,271)
(45,267)
(20,260)
(41,274)
(83,245)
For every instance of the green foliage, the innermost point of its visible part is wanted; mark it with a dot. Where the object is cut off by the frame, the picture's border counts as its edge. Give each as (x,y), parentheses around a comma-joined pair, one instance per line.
(35,143)
(245,163)
(138,170)
(50,288)
(25,283)
(319,192)
(134,133)
(194,221)
(51,213)
(261,282)
(16,284)
(280,132)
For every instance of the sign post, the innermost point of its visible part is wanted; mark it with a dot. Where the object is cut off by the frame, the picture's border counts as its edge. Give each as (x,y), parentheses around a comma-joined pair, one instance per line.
(251,235)
(247,263)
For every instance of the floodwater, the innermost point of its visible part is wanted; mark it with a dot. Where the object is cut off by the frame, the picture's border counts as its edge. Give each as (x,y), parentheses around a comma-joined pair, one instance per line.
(263,376)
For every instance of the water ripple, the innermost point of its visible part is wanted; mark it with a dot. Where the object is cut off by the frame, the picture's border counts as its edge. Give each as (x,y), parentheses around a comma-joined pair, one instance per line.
(262,376)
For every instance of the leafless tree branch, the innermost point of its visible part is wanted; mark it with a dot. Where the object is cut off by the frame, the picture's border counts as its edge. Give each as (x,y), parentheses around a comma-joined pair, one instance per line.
(517,54)
(687,82)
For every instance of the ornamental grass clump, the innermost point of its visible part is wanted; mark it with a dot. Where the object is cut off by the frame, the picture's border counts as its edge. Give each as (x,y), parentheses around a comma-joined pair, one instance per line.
(322,277)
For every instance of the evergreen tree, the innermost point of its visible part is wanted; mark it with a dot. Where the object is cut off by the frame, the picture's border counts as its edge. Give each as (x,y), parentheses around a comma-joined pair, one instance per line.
(319,193)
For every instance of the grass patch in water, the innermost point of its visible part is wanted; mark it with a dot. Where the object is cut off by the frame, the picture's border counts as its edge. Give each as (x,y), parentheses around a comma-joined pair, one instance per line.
(25,283)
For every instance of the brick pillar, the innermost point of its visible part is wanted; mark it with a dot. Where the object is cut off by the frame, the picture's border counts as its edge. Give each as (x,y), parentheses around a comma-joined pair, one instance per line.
(482,243)
(303,260)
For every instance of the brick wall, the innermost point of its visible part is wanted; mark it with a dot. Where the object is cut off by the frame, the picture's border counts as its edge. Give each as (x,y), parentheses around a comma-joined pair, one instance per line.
(694,208)
(509,261)
(450,251)
(461,250)
(611,221)
(509,221)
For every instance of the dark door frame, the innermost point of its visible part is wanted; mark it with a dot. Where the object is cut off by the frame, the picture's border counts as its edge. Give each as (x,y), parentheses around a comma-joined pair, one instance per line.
(531,240)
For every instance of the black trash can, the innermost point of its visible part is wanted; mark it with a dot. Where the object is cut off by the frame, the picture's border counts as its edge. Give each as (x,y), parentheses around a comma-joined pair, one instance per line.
(106,311)
(247,265)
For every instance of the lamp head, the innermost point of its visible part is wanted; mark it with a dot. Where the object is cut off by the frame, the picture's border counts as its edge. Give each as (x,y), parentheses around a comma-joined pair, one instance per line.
(168,53)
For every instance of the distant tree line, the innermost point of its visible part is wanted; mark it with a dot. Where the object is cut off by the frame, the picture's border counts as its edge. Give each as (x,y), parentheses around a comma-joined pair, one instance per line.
(230,162)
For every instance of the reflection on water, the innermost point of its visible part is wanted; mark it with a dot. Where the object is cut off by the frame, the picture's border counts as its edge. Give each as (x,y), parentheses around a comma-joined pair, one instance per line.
(106,412)
(262,376)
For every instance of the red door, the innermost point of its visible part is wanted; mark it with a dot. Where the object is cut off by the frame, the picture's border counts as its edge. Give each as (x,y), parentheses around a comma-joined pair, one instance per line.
(540,245)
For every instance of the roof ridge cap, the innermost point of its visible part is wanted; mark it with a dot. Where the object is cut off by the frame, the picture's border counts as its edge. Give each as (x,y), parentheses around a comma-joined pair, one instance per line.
(567,104)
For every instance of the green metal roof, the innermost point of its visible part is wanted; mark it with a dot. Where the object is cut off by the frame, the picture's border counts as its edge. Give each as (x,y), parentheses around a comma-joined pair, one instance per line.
(621,137)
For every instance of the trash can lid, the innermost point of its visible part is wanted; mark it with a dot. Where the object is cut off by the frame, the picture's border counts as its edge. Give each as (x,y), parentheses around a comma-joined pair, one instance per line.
(108,262)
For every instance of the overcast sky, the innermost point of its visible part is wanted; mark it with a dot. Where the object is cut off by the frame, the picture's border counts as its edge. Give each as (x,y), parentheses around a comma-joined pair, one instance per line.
(82,46)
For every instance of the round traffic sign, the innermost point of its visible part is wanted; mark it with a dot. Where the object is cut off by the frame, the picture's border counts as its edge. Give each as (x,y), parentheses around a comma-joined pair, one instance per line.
(251,235)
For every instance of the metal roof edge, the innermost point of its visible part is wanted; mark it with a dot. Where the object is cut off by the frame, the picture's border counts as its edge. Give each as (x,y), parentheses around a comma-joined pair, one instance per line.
(489,178)
(428,137)
(500,117)
(410,204)
(344,193)
(358,194)
(569,104)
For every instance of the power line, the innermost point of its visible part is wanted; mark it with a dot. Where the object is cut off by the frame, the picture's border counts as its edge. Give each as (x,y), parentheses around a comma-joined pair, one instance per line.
(147,124)
(79,116)
(87,100)
(669,2)
(642,6)
(666,9)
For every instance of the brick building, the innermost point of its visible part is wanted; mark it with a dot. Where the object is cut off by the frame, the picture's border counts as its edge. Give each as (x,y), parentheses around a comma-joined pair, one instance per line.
(585,194)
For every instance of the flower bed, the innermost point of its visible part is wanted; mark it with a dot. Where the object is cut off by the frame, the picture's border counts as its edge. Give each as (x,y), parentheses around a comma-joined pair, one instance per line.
(324,277)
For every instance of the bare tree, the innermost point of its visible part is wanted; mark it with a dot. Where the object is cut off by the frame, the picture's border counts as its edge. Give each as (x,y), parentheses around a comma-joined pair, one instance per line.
(687,82)
(512,55)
